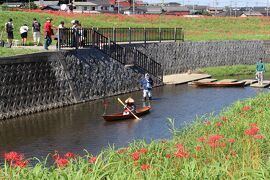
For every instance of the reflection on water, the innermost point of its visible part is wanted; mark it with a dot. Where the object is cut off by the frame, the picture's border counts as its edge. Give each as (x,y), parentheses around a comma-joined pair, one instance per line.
(81,126)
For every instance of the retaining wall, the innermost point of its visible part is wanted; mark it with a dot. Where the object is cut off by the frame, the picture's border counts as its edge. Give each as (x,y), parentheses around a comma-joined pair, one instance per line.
(180,57)
(42,81)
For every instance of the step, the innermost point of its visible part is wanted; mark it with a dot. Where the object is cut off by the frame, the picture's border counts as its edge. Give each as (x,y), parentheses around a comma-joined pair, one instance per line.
(257,85)
(249,81)
(177,79)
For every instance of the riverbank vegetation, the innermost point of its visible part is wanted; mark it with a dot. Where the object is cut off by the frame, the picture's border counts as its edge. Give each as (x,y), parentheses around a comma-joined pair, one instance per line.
(196,29)
(235,70)
(232,145)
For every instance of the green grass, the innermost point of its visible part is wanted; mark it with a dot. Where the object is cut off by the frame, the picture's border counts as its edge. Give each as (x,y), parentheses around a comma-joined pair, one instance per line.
(5,52)
(234,70)
(233,145)
(196,29)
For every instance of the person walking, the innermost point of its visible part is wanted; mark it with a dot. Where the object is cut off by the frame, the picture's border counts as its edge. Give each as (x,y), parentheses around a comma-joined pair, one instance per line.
(75,33)
(24,31)
(9,30)
(58,36)
(260,69)
(48,32)
(36,31)
(147,84)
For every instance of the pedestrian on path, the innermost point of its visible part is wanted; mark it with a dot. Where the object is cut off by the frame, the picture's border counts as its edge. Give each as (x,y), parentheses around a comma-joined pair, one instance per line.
(58,36)
(48,32)
(9,30)
(36,31)
(24,31)
(147,84)
(260,69)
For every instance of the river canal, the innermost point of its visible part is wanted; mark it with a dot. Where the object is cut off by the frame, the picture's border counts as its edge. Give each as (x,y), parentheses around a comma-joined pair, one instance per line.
(81,126)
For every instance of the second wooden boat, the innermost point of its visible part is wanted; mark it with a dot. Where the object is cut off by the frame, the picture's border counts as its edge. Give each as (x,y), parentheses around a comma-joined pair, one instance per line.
(219,84)
(120,116)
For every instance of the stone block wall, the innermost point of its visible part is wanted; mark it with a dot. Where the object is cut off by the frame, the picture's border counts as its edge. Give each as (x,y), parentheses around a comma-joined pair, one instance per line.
(180,57)
(42,81)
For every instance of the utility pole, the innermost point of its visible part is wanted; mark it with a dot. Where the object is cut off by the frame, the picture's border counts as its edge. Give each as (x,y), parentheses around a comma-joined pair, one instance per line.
(267,8)
(230,8)
(133,6)
(118,6)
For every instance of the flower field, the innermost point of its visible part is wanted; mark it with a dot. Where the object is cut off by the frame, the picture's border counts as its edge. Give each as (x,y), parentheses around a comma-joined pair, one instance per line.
(232,145)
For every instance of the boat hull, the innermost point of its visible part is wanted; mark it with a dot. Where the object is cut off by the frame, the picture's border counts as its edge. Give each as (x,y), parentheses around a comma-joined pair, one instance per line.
(219,84)
(120,116)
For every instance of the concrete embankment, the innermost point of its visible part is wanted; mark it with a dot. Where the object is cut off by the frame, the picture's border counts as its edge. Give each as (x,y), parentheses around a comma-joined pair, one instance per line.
(42,81)
(181,57)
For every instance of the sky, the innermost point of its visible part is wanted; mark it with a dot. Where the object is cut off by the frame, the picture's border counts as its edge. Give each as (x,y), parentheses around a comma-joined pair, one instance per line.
(234,3)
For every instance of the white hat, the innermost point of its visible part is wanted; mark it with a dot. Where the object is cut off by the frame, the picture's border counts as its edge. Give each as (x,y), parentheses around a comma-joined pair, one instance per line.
(147,75)
(129,100)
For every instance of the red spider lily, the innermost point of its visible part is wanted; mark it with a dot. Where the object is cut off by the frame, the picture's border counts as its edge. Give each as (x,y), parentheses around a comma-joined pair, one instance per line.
(252,131)
(21,164)
(231,141)
(207,123)
(253,125)
(56,156)
(135,156)
(143,150)
(62,162)
(168,156)
(180,147)
(198,148)
(181,154)
(258,136)
(70,155)
(215,138)
(145,167)
(92,160)
(122,151)
(223,145)
(13,156)
(213,144)
(246,108)
(201,139)
(224,119)
(218,124)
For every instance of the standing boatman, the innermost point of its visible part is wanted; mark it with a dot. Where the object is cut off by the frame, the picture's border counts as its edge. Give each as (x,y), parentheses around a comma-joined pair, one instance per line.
(147,84)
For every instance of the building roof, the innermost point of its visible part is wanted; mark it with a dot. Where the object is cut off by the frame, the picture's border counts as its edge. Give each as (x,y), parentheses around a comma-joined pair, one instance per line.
(153,10)
(13,5)
(231,13)
(46,3)
(197,7)
(252,13)
(84,4)
(175,9)
(100,2)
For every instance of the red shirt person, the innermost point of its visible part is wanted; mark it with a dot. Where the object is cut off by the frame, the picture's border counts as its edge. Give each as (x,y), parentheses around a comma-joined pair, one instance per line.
(48,32)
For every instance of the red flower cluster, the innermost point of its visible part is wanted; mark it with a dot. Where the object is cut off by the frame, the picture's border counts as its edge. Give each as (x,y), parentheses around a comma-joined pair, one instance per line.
(231,141)
(16,159)
(224,119)
(145,167)
(137,154)
(207,123)
(181,154)
(252,131)
(246,108)
(70,155)
(213,141)
(93,160)
(61,162)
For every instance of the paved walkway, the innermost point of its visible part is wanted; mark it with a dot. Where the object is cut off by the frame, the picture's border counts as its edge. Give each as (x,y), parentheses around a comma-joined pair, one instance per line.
(183,78)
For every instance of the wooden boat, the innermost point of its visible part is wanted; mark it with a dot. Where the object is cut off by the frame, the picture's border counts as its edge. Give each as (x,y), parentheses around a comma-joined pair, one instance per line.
(119,116)
(219,84)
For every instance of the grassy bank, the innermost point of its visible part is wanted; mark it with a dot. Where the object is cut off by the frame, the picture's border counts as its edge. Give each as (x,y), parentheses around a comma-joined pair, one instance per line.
(196,29)
(233,145)
(5,52)
(235,70)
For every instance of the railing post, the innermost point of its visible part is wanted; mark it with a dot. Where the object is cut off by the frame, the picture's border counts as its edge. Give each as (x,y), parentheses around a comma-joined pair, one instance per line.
(144,35)
(93,36)
(174,34)
(109,46)
(159,34)
(129,34)
(58,40)
(114,34)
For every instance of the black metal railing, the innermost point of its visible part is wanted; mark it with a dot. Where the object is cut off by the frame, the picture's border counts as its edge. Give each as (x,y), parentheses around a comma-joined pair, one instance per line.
(142,34)
(90,37)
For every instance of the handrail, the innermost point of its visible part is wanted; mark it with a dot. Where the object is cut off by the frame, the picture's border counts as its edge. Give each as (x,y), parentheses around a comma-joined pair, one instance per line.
(89,37)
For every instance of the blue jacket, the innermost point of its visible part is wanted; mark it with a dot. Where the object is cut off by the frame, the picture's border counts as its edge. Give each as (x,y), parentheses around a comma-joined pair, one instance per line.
(147,84)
